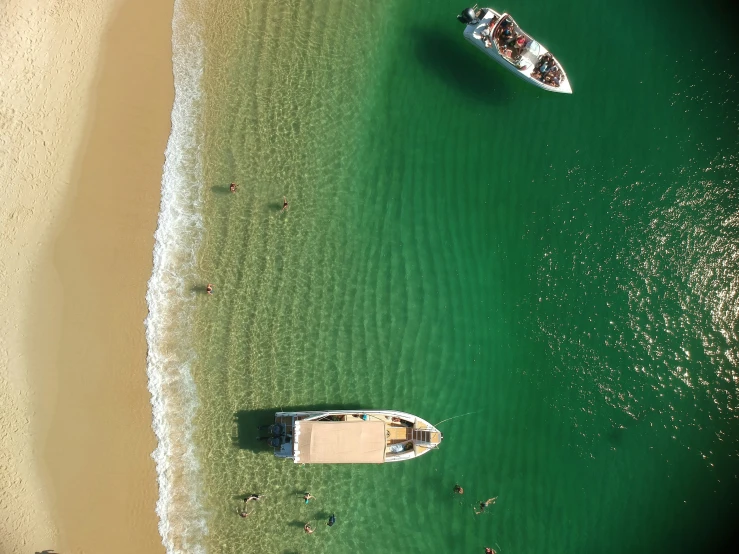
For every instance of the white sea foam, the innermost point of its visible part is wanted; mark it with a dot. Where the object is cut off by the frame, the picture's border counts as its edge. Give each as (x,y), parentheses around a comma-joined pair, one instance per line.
(171,299)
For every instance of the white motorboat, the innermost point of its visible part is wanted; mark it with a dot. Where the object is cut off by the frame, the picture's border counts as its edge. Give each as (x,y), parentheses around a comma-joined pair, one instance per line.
(500,38)
(351,437)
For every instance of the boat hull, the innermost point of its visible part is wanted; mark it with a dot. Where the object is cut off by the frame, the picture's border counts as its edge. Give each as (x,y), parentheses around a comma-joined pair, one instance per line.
(353,436)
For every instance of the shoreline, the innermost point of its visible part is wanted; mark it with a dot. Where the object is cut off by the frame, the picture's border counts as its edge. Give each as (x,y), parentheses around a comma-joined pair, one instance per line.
(85,111)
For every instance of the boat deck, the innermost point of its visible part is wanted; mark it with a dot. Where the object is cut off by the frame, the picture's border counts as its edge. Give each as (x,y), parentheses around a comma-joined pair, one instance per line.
(286,448)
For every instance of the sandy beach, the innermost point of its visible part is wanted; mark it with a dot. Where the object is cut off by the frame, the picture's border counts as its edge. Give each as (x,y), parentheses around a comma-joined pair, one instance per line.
(85,100)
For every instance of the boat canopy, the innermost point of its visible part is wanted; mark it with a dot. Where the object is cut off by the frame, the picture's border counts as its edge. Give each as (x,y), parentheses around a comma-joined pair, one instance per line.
(339,442)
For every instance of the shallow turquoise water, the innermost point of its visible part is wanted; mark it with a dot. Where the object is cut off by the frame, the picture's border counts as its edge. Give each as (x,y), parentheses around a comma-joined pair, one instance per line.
(458,241)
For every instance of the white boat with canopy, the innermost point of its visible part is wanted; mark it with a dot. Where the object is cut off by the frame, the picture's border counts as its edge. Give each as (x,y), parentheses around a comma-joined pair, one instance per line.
(351,437)
(500,38)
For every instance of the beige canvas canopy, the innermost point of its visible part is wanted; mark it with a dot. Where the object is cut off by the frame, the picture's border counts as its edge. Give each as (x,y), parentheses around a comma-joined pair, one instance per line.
(340,442)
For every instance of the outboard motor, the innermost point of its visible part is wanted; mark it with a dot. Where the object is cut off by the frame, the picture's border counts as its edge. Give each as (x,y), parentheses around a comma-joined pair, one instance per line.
(467,16)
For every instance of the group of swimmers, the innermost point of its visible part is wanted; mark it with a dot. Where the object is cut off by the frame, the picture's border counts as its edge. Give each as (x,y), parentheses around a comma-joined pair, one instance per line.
(233,187)
(547,71)
(483,504)
(307,497)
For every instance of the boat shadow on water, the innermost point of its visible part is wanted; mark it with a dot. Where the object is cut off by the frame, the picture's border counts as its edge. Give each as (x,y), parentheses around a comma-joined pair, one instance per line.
(247,422)
(461,67)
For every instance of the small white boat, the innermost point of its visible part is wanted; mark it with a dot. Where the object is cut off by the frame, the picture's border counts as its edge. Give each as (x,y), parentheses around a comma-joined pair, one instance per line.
(502,39)
(351,437)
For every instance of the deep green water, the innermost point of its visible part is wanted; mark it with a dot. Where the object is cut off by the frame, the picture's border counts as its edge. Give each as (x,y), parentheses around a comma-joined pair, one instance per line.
(458,241)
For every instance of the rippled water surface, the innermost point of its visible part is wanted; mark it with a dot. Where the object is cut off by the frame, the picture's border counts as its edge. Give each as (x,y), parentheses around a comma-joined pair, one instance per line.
(565,267)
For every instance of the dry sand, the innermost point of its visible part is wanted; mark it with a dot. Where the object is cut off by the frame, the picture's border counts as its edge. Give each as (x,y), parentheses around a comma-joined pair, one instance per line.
(85,99)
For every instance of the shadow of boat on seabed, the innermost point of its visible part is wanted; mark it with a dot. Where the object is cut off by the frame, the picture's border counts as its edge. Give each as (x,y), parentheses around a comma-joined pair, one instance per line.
(461,66)
(247,422)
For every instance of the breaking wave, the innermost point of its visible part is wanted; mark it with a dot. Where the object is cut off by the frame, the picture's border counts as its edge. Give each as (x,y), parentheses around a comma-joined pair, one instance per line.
(170,298)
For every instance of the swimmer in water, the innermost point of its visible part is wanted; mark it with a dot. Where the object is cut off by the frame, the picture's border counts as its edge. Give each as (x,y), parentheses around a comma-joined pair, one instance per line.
(233,186)
(284,204)
(209,289)
(308,496)
(458,489)
(331,520)
(308,529)
(253,497)
(485,504)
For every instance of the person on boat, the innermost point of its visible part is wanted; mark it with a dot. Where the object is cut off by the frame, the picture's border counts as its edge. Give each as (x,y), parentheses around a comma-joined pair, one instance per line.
(209,289)
(232,187)
(485,36)
(331,520)
(506,36)
(308,529)
(308,496)
(485,504)
(284,204)
(458,489)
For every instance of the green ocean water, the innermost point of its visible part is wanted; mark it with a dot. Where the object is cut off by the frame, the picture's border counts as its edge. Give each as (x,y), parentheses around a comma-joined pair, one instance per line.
(565,267)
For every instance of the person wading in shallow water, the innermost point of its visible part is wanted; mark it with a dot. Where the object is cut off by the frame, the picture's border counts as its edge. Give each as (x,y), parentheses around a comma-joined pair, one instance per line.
(308,497)
(232,187)
(308,529)
(209,289)
(284,204)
